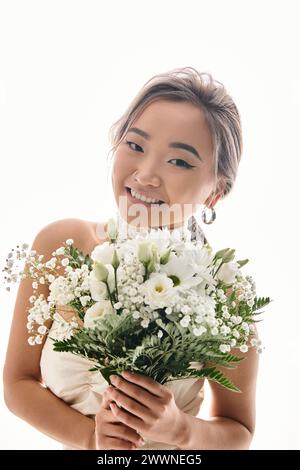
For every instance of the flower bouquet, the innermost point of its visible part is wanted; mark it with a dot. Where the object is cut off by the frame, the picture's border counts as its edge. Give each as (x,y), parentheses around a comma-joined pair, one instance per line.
(157,304)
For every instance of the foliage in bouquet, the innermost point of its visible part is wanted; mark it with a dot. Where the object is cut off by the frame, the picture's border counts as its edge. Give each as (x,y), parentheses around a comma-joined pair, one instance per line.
(158,304)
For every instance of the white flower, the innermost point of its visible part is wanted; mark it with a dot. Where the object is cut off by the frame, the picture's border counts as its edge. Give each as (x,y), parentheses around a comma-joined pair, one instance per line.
(181,269)
(60,251)
(42,330)
(185,321)
(69,241)
(35,285)
(98,289)
(223,348)
(118,305)
(225,330)
(244,348)
(39,339)
(31,340)
(160,334)
(103,253)
(158,290)
(136,315)
(84,300)
(65,262)
(145,323)
(199,330)
(227,272)
(96,311)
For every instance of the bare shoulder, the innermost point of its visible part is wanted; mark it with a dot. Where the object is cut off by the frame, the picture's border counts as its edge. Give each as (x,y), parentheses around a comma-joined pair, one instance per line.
(23,360)
(85,234)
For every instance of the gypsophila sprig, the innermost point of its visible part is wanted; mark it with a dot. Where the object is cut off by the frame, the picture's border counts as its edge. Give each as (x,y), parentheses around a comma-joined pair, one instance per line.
(155,303)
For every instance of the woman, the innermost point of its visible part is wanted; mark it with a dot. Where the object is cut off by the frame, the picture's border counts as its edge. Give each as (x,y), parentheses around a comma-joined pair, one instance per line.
(178,145)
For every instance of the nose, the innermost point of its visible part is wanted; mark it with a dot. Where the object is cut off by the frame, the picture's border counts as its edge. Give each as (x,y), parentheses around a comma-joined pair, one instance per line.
(147,175)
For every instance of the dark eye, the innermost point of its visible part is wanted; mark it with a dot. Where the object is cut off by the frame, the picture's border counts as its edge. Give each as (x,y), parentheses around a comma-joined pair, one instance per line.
(184,163)
(132,143)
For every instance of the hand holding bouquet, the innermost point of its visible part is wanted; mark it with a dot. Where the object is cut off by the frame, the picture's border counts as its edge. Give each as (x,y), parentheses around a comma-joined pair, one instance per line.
(157,304)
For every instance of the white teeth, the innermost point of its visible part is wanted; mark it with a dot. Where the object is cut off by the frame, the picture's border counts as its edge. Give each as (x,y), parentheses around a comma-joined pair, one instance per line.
(143,198)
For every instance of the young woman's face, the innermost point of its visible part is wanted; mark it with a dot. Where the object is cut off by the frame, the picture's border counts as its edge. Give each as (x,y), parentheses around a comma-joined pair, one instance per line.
(151,160)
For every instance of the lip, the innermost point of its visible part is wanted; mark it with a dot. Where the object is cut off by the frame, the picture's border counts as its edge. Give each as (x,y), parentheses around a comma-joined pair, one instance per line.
(136,201)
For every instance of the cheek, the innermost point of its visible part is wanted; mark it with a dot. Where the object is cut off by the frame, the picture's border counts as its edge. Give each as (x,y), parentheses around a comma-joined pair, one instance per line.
(193,191)
(121,167)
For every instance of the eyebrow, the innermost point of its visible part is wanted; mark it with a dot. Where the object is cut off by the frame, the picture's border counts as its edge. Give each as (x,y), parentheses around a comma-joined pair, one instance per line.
(176,145)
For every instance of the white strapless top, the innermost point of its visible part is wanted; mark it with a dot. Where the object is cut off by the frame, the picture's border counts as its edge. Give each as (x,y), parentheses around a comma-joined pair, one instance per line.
(68,377)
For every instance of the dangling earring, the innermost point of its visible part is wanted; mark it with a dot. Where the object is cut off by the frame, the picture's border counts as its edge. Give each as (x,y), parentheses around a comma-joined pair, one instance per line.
(212,218)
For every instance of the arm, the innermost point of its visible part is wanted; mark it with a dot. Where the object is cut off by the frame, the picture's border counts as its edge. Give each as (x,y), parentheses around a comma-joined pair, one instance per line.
(24,393)
(232,421)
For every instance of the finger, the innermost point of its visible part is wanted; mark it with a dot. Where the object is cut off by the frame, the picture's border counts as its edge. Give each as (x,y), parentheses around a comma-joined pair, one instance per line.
(122,431)
(118,444)
(106,400)
(134,391)
(129,404)
(127,418)
(146,382)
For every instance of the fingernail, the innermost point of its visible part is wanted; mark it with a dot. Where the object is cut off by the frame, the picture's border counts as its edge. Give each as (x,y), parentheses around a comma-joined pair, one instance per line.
(141,442)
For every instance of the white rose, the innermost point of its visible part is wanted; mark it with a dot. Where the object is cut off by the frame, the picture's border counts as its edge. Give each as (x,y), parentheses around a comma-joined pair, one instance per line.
(103,307)
(228,272)
(97,288)
(103,253)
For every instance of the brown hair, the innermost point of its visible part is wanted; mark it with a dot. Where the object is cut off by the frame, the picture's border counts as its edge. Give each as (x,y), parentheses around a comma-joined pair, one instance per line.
(221,113)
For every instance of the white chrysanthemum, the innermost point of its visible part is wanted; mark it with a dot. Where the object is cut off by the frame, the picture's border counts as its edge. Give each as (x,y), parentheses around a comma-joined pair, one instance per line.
(69,241)
(244,348)
(96,311)
(181,268)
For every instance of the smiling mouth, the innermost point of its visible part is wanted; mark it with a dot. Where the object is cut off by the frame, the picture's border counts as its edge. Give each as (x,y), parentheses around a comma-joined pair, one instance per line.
(143,202)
